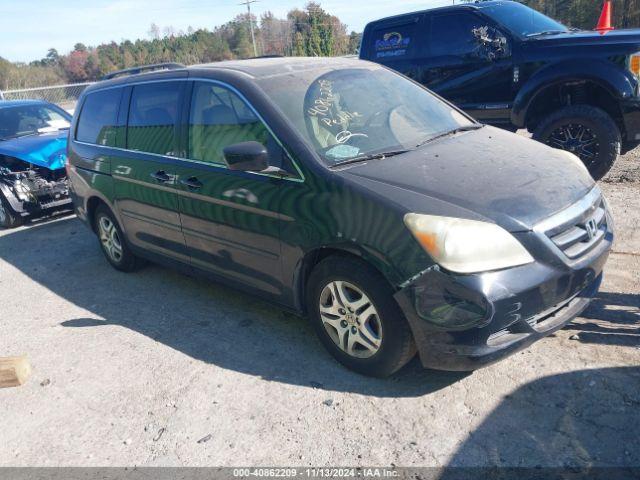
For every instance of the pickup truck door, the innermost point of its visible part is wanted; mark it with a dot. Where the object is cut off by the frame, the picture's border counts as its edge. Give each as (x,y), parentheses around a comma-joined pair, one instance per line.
(470,63)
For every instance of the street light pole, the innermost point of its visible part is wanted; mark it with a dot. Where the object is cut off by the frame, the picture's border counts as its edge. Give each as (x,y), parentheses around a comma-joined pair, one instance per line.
(253,38)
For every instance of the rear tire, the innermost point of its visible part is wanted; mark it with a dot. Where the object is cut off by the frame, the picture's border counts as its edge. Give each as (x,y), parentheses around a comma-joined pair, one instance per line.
(8,218)
(361,325)
(589,132)
(112,241)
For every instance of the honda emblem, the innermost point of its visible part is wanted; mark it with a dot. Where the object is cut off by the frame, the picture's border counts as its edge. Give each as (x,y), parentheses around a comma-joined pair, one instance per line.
(591,227)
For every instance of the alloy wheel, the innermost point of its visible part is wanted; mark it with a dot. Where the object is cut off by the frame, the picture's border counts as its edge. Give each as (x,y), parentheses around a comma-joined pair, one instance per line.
(350,319)
(110,239)
(3,214)
(577,139)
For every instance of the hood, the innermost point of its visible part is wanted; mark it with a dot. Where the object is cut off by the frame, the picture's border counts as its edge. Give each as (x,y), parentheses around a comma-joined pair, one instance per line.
(48,150)
(624,40)
(487,174)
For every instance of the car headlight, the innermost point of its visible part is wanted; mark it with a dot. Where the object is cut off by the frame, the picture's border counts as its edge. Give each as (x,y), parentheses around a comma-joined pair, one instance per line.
(466,246)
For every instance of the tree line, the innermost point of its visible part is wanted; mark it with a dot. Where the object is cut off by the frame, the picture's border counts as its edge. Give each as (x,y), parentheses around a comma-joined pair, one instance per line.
(584,14)
(304,32)
(310,31)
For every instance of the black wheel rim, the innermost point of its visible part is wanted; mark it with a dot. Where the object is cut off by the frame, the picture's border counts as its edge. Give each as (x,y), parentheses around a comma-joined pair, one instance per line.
(577,139)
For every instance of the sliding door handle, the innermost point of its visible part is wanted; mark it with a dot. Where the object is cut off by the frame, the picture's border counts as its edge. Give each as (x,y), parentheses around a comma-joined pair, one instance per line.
(162,176)
(192,183)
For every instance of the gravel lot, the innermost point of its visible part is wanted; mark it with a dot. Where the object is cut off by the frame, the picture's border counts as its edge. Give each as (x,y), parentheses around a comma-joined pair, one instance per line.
(156,368)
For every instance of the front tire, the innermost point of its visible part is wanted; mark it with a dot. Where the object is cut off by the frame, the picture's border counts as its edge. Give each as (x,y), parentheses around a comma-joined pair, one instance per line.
(589,132)
(112,241)
(356,317)
(8,219)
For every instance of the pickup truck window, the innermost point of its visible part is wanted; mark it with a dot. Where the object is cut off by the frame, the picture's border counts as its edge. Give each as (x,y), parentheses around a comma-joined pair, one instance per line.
(452,34)
(395,41)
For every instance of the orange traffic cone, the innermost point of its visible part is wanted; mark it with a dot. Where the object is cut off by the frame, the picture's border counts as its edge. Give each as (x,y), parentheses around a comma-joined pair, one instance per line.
(604,23)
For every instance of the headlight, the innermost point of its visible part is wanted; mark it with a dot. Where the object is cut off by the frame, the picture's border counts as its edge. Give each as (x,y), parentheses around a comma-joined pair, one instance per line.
(466,246)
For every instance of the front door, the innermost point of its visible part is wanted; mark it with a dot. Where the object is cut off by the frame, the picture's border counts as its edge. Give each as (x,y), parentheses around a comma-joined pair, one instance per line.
(145,175)
(230,219)
(470,64)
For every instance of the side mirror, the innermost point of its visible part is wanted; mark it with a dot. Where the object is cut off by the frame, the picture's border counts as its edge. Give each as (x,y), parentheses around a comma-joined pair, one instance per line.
(246,156)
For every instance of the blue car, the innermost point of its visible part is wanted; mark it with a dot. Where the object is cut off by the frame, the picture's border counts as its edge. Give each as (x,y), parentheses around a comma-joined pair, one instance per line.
(33,146)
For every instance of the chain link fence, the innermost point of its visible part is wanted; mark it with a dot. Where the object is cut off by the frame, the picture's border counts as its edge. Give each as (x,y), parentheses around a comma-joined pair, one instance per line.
(65,96)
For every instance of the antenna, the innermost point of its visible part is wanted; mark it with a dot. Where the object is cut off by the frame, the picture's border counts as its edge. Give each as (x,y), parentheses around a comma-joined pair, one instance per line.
(253,38)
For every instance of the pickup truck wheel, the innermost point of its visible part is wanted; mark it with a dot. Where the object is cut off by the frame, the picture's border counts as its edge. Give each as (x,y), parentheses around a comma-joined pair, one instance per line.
(112,241)
(356,317)
(8,219)
(586,131)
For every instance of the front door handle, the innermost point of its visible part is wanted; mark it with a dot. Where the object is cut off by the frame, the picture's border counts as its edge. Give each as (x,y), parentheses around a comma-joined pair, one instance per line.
(192,183)
(162,176)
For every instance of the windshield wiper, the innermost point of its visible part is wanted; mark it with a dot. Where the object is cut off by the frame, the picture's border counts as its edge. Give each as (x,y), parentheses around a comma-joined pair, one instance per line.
(372,156)
(546,32)
(20,135)
(466,128)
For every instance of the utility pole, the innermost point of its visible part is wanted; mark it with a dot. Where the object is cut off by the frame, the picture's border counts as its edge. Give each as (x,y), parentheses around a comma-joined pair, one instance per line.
(253,38)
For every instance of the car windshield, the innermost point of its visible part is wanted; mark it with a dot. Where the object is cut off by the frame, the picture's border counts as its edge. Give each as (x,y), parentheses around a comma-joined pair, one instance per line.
(355,113)
(522,20)
(19,121)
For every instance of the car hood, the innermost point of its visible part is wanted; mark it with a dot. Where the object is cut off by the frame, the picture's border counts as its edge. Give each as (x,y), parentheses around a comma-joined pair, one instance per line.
(48,150)
(628,40)
(486,174)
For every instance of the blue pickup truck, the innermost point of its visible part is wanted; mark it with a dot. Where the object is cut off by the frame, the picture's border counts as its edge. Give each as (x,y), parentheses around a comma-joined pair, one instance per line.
(513,67)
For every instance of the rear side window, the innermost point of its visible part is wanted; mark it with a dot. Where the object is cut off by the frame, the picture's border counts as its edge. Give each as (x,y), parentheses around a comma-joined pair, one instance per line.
(99,117)
(219,118)
(453,34)
(395,41)
(153,113)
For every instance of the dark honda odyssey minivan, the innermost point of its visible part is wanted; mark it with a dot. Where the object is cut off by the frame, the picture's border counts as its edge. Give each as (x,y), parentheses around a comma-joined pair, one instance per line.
(348,193)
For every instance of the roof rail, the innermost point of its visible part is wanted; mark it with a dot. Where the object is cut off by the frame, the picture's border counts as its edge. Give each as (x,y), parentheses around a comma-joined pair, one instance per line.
(144,68)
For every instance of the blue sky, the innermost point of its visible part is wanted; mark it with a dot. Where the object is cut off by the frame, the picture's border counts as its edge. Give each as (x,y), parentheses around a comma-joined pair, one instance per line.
(28,28)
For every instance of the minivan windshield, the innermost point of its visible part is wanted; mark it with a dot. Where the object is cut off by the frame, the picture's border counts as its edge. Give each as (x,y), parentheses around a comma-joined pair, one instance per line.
(357,113)
(522,20)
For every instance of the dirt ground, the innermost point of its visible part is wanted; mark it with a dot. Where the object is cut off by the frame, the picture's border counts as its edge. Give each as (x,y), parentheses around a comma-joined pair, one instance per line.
(156,368)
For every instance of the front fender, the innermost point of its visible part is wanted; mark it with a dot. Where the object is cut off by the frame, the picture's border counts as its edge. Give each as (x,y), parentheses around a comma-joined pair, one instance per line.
(367,253)
(605,74)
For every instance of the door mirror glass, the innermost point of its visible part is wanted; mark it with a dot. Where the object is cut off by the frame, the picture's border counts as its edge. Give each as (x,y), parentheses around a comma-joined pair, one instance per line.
(246,156)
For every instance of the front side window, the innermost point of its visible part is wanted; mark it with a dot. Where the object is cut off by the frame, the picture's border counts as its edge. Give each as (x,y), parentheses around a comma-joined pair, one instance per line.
(19,121)
(354,112)
(453,34)
(98,119)
(153,113)
(219,118)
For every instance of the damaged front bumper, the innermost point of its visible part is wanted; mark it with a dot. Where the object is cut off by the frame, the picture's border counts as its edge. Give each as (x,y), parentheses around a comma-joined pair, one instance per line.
(30,194)
(464,322)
